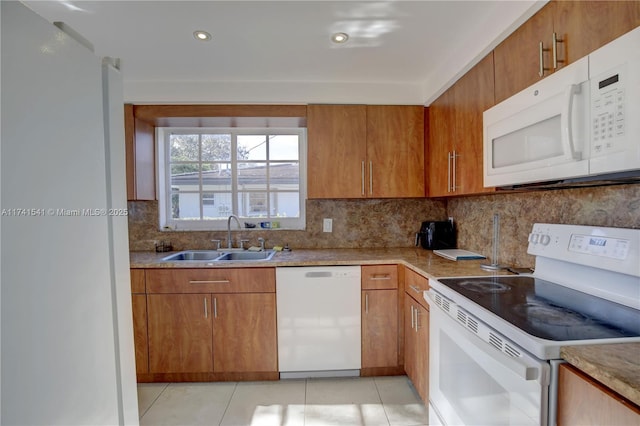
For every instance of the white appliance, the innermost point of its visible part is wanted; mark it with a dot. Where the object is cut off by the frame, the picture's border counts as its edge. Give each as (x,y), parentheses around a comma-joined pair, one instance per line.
(318,321)
(67,334)
(577,123)
(496,339)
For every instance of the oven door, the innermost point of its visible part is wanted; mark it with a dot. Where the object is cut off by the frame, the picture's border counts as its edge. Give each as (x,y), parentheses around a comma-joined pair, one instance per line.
(471,382)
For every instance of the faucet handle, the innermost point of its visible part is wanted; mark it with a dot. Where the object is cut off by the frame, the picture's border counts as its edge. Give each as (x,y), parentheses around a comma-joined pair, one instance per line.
(217,243)
(242,243)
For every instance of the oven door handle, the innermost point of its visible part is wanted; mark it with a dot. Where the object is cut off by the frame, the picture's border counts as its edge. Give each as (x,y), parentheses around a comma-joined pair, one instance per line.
(526,369)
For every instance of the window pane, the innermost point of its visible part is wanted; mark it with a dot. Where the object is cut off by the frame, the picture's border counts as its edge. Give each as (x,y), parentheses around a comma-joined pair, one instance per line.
(216,177)
(185,177)
(252,204)
(285,204)
(184,147)
(185,205)
(252,176)
(252,147)
(216,147)
(283,147)
(222,206)
(284,176)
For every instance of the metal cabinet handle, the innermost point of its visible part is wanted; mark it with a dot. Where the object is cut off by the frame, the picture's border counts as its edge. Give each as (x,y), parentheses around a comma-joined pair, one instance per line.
(415,288)
(448,172)
(370,177)
(366,303)
(381,277)
(454,157)
(417,319)
(215,307)
(412,321)
(209,282)
(362,175)
(554,47)
(206,311)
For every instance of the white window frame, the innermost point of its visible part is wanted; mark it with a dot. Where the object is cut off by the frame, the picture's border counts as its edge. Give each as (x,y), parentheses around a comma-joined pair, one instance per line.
(167,223)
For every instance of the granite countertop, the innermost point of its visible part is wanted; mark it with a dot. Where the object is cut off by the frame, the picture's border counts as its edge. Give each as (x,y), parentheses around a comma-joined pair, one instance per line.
(424,262)
(616,366)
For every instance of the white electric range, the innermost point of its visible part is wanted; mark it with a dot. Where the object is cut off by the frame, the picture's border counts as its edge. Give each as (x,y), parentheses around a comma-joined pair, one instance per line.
(495,341)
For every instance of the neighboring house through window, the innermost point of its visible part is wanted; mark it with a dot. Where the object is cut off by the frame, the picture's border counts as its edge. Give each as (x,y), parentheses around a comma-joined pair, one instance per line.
(208,174)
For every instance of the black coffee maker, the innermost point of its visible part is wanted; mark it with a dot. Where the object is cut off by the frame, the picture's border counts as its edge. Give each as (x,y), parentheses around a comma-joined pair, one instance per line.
(435,235)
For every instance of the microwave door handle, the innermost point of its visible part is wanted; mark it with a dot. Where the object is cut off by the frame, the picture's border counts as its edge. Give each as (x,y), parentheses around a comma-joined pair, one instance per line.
(566,124)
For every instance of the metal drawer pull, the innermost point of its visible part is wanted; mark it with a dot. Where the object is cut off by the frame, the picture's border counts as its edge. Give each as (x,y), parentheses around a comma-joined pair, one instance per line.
(215,307)
(366,303)
(209,282)
(415,288)
(380,277)
(206,311)
(412,320)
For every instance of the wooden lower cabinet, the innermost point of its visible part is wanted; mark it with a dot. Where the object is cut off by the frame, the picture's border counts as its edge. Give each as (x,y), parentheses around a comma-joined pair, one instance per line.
(180,333)
(244,332)
(583,401)
(379,328)
(227,331)
(139,305)
(416,345)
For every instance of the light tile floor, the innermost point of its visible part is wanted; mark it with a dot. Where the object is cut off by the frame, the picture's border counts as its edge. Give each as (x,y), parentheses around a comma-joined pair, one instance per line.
(310,402)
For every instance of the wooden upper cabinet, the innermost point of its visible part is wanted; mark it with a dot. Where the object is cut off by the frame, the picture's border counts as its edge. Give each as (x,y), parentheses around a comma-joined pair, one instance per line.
(454,152)
(517,58)
(337,148)
(395,151)
(358,151)
(584,26)
(140,156)
(580,27)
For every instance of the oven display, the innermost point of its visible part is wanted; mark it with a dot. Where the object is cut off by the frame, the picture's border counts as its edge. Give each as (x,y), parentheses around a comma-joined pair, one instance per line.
(615,248)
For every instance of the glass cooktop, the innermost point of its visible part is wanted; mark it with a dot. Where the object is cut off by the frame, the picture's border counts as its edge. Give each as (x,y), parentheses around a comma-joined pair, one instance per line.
(547,310)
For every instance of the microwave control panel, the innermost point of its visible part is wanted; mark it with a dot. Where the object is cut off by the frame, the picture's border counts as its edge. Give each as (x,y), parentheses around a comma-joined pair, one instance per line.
(608,113)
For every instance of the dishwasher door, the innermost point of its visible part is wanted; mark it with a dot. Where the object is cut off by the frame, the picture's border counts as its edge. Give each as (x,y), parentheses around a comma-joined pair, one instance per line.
(318,321)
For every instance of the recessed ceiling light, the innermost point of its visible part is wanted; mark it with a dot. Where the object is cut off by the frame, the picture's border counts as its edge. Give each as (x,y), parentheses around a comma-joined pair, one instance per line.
(202,35)
(340,37)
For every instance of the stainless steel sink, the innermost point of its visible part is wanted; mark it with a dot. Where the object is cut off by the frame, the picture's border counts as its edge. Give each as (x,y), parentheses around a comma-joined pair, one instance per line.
(215,256)
(247,255)
(193,255)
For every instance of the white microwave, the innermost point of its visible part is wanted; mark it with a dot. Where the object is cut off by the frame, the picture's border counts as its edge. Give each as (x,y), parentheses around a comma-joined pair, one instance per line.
(581,122)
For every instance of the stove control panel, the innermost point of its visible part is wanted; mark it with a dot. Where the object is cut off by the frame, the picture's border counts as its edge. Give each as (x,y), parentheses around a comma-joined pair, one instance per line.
(616,249)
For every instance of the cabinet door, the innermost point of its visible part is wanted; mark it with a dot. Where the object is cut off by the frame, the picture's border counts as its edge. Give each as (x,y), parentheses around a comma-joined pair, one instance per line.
(379,328)
(244,332)
(473,95)
(140,340)
(140,156)
(395,151)
(584,401)
(441,126)
(180,333)
(409,338)
(336,152)
(416,349)
(517,58)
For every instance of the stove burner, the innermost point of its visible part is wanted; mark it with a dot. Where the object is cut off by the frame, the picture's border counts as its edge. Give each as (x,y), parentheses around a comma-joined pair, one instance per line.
(485,286)
(550,315)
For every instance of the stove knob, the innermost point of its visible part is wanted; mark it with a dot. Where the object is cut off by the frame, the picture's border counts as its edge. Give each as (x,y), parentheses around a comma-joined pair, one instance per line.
(545,240)
(533,238)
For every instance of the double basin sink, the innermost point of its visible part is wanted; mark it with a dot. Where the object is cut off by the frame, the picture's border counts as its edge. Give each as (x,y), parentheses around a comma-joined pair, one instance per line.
(218,256)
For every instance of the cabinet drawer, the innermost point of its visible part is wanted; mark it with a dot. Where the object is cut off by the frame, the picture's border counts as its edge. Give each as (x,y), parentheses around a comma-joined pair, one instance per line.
(414,285)
(379,277)
(137,281)
(223,280)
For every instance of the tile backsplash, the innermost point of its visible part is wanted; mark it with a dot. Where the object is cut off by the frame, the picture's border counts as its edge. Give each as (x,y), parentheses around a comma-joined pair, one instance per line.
(394,222)
(615,206)
(356,223)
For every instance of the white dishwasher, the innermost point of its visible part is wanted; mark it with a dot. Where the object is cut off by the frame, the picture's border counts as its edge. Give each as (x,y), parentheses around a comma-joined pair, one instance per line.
(318,321)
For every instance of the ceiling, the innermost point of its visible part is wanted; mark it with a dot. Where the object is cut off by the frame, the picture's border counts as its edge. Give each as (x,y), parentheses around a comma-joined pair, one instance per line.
(399,52)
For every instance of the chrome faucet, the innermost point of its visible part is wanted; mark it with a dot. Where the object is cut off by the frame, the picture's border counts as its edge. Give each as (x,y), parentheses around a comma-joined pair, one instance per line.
(229,242)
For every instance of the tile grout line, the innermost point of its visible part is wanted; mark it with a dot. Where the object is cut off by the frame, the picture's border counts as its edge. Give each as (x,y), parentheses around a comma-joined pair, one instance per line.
(235,387)
(154,401)
(375,383)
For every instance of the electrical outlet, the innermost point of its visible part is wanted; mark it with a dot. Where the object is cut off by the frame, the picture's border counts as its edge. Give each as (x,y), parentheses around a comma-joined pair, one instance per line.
(327,225)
